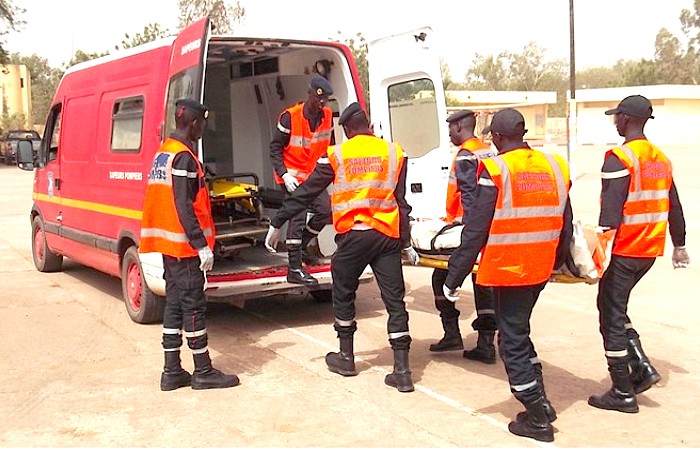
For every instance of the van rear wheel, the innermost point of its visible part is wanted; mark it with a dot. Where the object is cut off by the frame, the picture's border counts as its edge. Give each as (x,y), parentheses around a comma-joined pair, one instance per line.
(142,304)
(44,259)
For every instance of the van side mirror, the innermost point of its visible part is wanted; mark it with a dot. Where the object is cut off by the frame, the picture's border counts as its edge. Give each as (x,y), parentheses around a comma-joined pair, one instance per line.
(25,155)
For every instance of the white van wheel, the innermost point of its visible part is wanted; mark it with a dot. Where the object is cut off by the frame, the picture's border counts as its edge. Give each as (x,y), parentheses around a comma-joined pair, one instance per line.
(44,259)
(142,304)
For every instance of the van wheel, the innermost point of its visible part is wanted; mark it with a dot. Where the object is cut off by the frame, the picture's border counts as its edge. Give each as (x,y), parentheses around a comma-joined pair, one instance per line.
(323,295)
(142,304)
(44,259)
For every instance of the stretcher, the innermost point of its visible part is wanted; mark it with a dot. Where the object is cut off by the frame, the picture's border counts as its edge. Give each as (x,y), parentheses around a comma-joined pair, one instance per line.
(434,240)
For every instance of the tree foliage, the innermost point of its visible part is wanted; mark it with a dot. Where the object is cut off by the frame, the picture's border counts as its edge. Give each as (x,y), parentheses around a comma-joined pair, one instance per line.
(151,32)
(359,47)
(44,80)
(8,21)
(220,12)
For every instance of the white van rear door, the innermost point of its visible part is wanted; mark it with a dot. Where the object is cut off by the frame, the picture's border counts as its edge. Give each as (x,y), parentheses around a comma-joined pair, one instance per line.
(407,105)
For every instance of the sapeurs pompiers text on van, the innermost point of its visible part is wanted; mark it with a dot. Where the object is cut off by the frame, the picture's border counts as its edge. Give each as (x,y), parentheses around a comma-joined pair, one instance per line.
(110,115)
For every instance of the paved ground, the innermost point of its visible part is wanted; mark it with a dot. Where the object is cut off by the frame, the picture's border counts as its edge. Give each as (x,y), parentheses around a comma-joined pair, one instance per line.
(77,372)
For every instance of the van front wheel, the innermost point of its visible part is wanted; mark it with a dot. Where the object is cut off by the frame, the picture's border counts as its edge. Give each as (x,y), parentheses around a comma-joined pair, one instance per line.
(142,304)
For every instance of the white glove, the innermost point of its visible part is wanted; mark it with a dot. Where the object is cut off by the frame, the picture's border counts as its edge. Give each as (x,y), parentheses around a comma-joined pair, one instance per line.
(206,258)
(680,258)
(272,239)
(450,294)
(290,182)
(411,255)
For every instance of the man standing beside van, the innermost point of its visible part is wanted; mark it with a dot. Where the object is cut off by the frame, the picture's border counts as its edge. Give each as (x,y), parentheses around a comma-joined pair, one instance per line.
(461,190)
(177,222)
(303,134)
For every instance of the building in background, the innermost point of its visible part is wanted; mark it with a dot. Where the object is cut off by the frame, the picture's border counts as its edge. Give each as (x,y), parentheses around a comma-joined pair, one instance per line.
(676,114)
(15,96)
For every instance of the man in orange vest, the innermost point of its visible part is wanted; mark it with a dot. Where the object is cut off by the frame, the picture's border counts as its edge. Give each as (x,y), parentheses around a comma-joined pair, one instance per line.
(303,133)
(460,196)
(521,222)
(370,214)
(177,222)
(639,200)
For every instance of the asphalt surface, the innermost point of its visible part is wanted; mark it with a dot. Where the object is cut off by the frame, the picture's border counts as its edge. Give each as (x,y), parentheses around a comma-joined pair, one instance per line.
(77,372)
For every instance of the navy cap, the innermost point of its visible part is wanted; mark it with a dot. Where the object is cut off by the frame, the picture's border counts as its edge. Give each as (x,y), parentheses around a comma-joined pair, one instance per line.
(353,109)
(320,86)
(507,122)
(459,115)
(193,106)
(634,105)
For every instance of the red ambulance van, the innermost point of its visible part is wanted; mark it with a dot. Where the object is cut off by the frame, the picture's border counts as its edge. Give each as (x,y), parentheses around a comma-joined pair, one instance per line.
(109,116)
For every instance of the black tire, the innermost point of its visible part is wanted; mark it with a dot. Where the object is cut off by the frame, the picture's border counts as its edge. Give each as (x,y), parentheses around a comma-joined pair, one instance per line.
(44,259)
(141,303)
(322,295)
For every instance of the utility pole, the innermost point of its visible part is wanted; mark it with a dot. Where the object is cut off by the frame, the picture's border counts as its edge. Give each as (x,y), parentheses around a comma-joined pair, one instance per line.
(571,104)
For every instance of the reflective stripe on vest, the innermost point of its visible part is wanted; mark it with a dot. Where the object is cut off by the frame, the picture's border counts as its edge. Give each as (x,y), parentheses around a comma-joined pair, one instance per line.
(305,146)
(642,232)
(453,202)
(161,230)
(366,173)
(527,222)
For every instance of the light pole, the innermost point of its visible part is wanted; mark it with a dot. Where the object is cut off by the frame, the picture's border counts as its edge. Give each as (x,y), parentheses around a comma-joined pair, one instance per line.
(571,104)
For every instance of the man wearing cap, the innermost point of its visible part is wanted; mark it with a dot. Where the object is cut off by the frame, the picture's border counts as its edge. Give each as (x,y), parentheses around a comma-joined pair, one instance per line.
(303,133)
(370,215)
(639,200)
(177,222)
(460,197)
(521,223)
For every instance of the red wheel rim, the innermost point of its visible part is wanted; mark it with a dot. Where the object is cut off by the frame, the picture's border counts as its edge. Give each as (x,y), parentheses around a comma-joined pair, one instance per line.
(133,286)
(39,245)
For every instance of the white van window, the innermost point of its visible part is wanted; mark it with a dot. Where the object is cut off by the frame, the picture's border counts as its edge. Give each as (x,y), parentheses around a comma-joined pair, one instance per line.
(127,125)
(413,116)
(181,86)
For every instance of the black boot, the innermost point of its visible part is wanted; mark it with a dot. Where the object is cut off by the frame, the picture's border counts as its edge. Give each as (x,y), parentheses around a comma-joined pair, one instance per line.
(536,424)
(643,373)
(621,396)
(452,339)
(546,404)
(342,362)
(400,378)
(296,273)
(207,377)
(309,254)
(173,376)
(484,351)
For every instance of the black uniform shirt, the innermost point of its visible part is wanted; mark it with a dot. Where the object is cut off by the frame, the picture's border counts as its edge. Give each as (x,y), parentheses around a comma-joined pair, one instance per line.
(614,194)
(466,164)
(185,188)
(322,176)
(476,232)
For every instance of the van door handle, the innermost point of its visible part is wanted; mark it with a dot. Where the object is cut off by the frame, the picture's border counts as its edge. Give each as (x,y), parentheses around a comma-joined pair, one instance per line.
(57,183)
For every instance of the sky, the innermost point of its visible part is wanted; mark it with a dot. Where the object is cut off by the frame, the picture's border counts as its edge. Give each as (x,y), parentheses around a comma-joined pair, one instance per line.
(605,30)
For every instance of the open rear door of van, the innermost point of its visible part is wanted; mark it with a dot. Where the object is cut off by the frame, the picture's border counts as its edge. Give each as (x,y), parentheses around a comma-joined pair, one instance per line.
(187,65)
(407,105)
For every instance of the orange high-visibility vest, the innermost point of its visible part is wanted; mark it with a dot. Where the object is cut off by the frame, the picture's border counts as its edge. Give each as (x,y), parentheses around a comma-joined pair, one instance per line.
(366,173)
(161,230)
(477,150)
(527,222)
(642,232)
(305,146)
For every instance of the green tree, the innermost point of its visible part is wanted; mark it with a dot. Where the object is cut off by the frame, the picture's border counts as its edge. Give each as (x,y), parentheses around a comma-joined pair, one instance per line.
(598,77)
(488,73)
(358,47)
(220,12)
(81,56)
(151,32)
(8,22)
(44,81)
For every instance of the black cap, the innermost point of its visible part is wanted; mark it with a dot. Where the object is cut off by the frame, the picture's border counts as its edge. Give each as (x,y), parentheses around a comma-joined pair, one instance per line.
(193,106)
(508,122)
(320,86)
(353,109)
(634,105)
(459,115)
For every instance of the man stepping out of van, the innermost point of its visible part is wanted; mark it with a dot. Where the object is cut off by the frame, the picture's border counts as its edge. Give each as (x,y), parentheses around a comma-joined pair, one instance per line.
(177,222)
(303,134)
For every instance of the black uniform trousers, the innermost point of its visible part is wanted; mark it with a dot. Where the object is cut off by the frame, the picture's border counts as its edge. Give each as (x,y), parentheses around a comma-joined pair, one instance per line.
(614,290)
(320,208)
(185,304)
(357,249)
(514,305)
(483,301)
